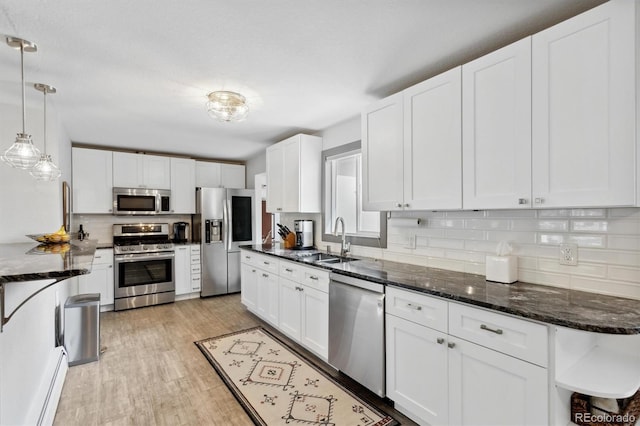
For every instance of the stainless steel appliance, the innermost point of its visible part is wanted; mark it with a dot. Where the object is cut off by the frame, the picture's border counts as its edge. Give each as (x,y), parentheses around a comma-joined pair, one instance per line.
(144,265)
(304,233)
(223,221)
(356,330)
(141,201)
(181,232)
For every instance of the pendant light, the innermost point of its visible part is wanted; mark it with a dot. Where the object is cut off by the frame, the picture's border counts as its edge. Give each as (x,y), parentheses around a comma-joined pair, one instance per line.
(22,154)
(45,169)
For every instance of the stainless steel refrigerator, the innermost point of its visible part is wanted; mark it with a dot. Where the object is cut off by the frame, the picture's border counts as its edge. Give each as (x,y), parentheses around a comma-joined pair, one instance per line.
(222,223)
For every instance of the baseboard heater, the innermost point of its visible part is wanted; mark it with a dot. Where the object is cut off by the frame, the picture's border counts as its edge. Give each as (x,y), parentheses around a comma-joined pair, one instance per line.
(50,405)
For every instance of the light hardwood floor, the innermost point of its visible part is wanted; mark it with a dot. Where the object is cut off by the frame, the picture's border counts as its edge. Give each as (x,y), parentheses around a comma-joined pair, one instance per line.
(153,374)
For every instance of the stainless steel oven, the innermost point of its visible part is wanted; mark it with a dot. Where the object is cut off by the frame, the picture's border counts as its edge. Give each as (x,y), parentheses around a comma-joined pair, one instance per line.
(144,261)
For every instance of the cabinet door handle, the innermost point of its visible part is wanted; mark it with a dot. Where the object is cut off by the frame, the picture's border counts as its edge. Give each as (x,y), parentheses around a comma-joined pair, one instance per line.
(288,270)
(406,205)
(299,288)
(440,340)
(313,277)
(451,345)
(110,266)
(253,270)
(266,263)
(399,205)
(279,208)
(247,257)
(416,307)
(523,201)
(265,275)
(493,330)
(539,200)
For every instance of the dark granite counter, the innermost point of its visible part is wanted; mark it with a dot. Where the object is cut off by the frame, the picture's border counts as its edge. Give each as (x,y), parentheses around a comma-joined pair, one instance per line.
(31,261)
(569,308)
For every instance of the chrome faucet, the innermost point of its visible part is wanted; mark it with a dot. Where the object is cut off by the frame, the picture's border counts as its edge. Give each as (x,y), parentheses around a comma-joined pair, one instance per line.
(344,248)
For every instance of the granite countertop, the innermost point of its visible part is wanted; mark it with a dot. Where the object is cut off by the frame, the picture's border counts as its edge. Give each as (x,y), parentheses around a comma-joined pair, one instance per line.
(21,262)
(564,307)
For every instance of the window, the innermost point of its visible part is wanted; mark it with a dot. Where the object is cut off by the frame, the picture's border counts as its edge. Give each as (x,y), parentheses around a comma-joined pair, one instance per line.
(342,197)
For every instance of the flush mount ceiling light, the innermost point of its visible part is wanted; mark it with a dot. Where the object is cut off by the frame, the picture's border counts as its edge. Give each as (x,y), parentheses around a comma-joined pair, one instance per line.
(45,169)
(227,106)
(22,154)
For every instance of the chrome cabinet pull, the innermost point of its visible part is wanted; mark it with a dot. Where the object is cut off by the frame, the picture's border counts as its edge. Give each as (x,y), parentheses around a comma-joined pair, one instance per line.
(399,205)
(253,270)
(539,200)
(406,205)
(497,331)
(313,277)
(416,307)
(523,201)
(451,345)
(265,275)
(299,288)
(247,257)
(288,270)
(266,263)
(440,340)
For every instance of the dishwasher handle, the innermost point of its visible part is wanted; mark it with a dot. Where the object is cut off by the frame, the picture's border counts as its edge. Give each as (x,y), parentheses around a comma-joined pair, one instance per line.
(355,282)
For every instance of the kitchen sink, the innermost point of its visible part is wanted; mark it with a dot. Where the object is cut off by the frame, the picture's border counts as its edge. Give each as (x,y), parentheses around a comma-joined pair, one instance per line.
(324,258)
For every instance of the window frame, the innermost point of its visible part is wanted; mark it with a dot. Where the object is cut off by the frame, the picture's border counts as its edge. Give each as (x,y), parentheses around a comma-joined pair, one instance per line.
(358,240)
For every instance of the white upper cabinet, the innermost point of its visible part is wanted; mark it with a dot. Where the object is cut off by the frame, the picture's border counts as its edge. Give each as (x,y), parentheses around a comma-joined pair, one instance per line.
(496,111)
(92,181)
(183,185)
(411,147)
(433,143)
(232,176)
(294,175)
(141,171)
(219,175)
(584,112)
(382,155)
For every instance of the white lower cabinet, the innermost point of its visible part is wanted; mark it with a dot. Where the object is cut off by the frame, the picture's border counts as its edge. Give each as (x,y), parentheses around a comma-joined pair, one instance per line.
(437,378)
(187,269)
(100,280)
(292,297)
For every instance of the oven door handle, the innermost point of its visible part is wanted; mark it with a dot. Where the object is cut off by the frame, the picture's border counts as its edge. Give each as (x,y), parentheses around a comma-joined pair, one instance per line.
(122,258)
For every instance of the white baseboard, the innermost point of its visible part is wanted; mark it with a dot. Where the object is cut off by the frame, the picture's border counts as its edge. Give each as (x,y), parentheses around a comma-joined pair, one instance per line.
(52,396)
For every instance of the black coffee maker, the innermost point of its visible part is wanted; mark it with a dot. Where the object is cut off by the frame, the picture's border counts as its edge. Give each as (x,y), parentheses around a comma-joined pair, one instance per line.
(181,232)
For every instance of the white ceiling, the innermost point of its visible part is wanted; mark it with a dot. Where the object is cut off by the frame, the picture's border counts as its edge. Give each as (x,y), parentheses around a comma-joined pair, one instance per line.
(135,74)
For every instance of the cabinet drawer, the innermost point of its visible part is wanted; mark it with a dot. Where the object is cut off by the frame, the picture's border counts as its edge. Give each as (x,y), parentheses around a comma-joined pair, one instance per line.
(103,257)
(195,259)
(519,338)
(249,257)
(195,249)
(418,308)
(291,270)
(195,269)
(267,263)
(315,278)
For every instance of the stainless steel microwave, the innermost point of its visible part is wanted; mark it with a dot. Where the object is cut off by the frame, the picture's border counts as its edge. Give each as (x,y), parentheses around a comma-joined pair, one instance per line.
(141,201)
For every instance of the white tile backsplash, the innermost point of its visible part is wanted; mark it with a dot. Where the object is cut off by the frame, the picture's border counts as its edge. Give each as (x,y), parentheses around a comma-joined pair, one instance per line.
(608,245)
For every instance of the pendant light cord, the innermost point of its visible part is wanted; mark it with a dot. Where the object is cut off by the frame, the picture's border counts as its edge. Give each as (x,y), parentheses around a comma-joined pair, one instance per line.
(45,121)
(24,107)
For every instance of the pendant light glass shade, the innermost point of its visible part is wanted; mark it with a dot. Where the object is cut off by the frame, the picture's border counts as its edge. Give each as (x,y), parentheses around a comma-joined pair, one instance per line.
(227,106)
(22,154)
(45,169)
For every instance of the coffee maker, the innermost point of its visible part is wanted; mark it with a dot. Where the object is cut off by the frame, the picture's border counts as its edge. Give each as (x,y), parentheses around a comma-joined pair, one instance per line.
(181,232)
(304,234)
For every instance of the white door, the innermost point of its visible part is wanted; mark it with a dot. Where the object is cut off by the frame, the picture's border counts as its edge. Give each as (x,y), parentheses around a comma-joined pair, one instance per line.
(291,175)
(382,155)
(232,176)
(183,186)
(275,178)
(417,378)
(490,388)
(496,114)
(207,174)
(100,280)
(263,280)
(182,264)
(433,143)
(157,172)
(273,295)
(290,308)
(315,321)
(92,181)
(128,170)
(249,286)
(584,120)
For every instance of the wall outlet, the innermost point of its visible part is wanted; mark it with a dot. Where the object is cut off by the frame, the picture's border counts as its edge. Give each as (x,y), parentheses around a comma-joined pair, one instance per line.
(568,254)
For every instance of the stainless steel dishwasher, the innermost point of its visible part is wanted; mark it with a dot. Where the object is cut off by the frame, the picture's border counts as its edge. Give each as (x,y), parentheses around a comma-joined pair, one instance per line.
(356,330)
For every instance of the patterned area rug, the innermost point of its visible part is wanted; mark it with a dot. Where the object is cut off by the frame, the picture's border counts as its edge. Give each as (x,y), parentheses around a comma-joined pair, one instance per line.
(277,386)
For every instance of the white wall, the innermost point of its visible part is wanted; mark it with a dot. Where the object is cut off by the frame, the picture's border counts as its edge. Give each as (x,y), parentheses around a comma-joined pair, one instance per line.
(28,206)
(254,166)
